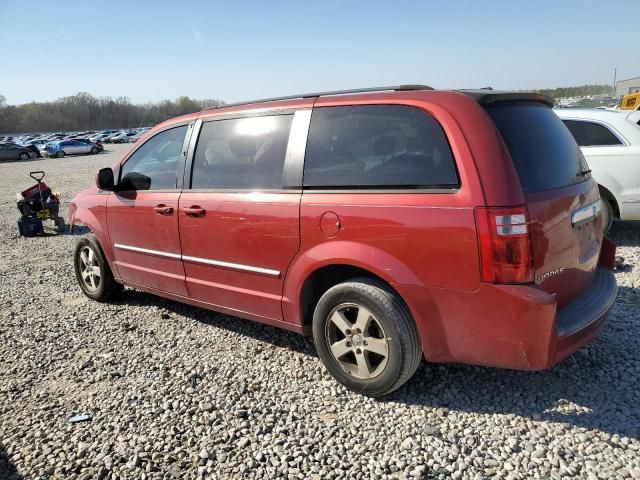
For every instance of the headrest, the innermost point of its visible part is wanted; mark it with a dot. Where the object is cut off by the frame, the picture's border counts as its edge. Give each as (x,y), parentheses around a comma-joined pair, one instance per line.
(243,146)
(385,145)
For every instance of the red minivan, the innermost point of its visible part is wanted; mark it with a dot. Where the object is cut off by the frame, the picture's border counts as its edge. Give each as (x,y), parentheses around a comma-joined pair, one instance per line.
(393,224)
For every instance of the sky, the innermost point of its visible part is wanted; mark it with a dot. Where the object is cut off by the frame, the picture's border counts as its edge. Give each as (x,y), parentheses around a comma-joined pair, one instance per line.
(237,50)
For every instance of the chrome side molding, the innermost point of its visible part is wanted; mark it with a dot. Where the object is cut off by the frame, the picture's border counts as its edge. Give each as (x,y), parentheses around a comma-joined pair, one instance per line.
(586,214)
(233,266)
(205,261)
(157,253)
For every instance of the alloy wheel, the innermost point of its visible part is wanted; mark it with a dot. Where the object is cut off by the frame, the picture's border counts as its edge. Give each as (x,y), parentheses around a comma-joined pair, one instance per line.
(89,268)
(357,340)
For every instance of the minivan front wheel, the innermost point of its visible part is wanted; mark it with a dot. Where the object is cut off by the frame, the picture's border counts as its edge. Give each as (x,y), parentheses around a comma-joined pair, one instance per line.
(92,270)
(365,337)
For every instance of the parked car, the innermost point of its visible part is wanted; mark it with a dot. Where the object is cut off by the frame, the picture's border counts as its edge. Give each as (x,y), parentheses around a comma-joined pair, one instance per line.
(11,151)
(70,147)
(138,135)
(97,143)
(33,150)
(110,137)
(610,142)
(100,137)
(393,225)
(123,138)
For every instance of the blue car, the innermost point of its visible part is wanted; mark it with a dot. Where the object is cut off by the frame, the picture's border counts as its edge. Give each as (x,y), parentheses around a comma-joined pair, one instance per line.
(70,147)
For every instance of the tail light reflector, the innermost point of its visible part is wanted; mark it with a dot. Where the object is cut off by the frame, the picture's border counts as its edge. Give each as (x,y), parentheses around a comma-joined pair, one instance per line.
(505,244)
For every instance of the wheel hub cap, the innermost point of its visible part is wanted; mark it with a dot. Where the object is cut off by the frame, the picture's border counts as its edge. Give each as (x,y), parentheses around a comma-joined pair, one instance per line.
(89,268)
(357,341)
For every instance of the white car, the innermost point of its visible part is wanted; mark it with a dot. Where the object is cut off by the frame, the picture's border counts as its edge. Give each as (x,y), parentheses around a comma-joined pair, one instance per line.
(610,142)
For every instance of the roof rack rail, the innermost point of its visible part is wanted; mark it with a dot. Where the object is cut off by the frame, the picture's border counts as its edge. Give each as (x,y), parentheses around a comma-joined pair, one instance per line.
(395,88)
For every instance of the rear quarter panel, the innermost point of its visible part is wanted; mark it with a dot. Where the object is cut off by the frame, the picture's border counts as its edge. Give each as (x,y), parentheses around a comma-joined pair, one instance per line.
(424,239)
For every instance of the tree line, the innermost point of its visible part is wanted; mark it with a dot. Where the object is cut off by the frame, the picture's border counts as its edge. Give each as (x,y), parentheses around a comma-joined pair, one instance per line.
(581,91)
(86,112)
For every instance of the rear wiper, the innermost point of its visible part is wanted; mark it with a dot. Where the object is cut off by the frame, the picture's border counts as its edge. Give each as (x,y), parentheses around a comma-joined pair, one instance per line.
(583,173)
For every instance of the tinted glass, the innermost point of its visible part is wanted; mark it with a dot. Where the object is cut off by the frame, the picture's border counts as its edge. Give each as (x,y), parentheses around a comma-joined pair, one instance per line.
(543,150)
(158,159)
(377,146)
(589,134)
(242,153)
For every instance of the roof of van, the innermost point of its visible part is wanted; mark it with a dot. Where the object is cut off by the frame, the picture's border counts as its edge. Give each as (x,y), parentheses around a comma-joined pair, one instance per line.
(483,96)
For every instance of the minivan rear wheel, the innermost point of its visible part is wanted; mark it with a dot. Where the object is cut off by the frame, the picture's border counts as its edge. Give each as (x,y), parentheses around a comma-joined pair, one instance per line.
(92,270)
(366,337)
(23,156)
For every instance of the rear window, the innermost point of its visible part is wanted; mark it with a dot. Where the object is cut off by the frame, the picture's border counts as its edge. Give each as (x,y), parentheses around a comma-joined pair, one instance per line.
(377,147)
(543,150)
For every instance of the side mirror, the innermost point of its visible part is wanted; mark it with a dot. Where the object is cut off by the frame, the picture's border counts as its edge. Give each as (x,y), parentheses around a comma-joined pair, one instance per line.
(104,179)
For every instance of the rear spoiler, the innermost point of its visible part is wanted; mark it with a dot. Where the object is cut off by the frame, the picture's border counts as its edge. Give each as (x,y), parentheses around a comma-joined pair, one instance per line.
(489,97)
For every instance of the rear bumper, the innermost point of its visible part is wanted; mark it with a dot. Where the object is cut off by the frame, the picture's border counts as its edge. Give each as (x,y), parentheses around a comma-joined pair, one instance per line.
(579,321)
(508,326)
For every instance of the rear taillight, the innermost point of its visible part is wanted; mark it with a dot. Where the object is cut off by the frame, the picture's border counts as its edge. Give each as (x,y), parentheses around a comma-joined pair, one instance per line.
(505,244)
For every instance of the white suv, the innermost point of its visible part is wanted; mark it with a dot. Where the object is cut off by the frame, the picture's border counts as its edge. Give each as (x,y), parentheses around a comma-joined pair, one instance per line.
(610,141)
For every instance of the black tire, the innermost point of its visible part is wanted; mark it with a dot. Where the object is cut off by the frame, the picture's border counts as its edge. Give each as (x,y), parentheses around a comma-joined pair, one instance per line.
(60,154)
(24,156)
(607,214)
(398,332)
(94,150)
(106,287)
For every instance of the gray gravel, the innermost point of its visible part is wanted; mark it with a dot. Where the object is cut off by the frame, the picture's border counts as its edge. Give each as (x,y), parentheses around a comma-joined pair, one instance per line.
(179,392)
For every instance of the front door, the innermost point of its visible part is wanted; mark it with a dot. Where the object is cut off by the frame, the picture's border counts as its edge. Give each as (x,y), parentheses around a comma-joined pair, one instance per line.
(142,214)
(239,226)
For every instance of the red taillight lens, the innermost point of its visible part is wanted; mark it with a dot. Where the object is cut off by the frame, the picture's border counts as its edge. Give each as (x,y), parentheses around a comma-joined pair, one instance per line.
(505,244)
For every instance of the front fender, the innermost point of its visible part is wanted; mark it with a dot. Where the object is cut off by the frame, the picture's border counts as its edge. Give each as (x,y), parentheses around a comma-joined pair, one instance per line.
(354,254)
(90,210)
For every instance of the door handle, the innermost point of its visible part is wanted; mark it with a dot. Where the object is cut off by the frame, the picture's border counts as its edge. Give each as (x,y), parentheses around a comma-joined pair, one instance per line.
(194,211)
(163,209)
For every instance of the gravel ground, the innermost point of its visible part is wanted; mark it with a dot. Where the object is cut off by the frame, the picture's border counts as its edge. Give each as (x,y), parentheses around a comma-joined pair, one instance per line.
(179,392)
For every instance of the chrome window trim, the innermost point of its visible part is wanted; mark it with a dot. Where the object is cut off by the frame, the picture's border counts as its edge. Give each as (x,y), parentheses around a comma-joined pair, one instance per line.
(206,261)
(586,214)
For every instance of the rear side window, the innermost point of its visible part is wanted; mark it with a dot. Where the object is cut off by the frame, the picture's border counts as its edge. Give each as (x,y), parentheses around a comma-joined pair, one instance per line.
(543,150)
(591,134)
(377,146)
(242,153)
